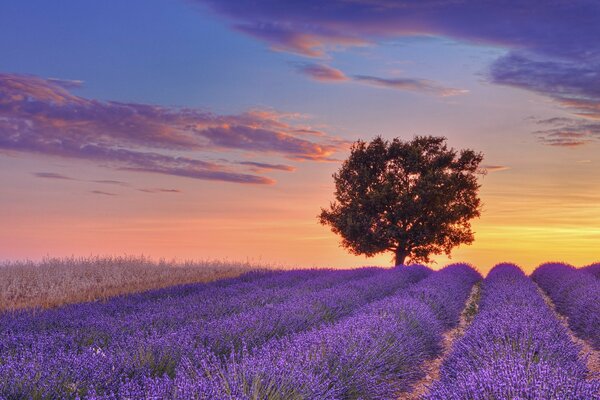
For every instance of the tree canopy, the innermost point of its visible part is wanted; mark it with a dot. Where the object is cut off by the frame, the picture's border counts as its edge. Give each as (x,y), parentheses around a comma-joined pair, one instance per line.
(414,198)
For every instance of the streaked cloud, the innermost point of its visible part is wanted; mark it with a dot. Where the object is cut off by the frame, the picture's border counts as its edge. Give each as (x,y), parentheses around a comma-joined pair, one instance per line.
(309,43)
(495,168)
(325,73)
(414,85)
(260,166)
(159,190)
(321,72)
(42,116)
(567,132)
(102,193)
(52,175)
(111,182)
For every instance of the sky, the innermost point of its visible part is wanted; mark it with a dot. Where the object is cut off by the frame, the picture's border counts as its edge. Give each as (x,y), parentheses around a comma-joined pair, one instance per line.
(205,129)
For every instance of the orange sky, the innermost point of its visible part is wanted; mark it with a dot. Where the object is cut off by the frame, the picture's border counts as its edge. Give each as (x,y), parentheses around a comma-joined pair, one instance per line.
(528,218)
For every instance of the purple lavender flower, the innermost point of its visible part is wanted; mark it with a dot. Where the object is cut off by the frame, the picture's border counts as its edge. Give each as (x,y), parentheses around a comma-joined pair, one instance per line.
(576,294)
(515,348)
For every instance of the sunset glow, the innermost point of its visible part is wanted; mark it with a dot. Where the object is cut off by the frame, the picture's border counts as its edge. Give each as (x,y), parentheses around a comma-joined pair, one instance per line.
(210,129)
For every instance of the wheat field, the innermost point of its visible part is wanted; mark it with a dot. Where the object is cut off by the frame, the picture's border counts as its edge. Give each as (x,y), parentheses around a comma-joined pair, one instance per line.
(53,282)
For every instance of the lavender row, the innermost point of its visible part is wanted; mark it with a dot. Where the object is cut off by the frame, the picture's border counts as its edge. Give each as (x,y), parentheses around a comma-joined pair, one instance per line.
(104,351)
(576,294)
(373,354)
(300,312)
(515,348)
(593,269)
(168,309)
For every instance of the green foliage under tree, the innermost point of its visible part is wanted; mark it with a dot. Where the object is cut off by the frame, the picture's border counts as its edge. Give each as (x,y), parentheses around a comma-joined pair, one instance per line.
(414,198)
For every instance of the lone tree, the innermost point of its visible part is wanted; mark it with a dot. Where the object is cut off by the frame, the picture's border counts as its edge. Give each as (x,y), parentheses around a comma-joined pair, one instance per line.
(414,198)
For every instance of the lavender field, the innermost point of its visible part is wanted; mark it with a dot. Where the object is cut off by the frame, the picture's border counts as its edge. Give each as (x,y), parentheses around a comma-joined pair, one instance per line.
(369,333)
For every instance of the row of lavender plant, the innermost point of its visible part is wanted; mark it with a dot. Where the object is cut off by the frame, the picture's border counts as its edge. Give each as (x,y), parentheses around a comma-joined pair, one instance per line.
(79,355)
(515,348)
(198,302)
(576,294)
(376,353)
(593,269)
(301,312)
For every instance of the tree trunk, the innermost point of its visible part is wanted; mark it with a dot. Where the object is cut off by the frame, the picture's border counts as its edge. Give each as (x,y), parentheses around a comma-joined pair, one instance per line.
(401,255)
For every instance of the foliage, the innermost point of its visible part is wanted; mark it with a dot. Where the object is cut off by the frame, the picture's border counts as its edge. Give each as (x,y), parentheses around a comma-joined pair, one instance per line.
(414,198)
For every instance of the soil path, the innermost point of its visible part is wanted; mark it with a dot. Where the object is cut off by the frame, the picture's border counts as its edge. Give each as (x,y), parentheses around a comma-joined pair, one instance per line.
(587,351)
(432,367)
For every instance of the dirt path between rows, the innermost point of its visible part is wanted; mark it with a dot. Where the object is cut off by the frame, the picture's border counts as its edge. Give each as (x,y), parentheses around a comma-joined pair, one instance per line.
(432,367)
(587,351)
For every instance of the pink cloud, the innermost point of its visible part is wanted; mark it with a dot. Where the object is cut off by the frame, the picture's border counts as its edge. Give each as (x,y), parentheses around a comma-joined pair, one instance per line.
(410,84)
(320,72)
(260,166)
(552,49)
(42,116)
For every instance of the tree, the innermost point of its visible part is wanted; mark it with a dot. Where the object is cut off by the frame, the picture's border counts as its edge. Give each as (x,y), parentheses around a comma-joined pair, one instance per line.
(414,198)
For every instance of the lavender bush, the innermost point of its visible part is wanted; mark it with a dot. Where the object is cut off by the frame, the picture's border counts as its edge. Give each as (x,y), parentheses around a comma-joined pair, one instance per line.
(576,294)
(593,269)
(514,349)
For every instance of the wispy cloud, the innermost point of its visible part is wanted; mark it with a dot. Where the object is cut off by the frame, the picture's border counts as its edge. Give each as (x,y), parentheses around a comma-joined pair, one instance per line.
(567,132)
(321,72)
(42,116)
(309,43)
(159,190)
(325,73)
(52,175)
(552,49)
(414,85)
(102,193)
(495,168)
(111,182)
(260,166)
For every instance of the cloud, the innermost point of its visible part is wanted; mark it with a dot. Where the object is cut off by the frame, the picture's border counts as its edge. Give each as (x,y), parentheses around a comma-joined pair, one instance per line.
(495,168)
(320,72)
(42,116)
(310,43)
(325,73)
(260,166)
(101,193)
(111,182)
(52,175)
(565,28)
(415,85)
(567,132)
(160,190)
(551,49)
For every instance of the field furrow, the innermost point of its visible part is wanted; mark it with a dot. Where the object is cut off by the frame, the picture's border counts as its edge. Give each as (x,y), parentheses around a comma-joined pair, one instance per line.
(374,354)
(587,352)
(431,368)
(514,349)
(576,294)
